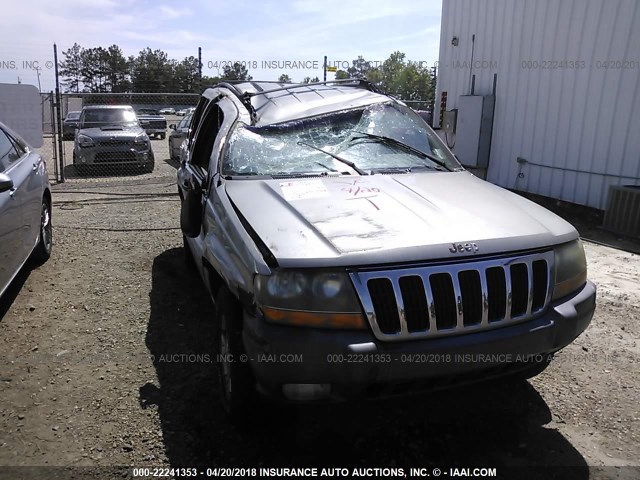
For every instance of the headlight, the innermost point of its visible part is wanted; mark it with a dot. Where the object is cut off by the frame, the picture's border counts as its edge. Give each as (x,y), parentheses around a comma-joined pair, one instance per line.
(85,141)
(141,139)
(571,269)
(309,298)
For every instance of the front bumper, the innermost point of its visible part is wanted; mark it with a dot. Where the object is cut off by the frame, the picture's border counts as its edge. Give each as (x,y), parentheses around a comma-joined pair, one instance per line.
(121,155)
(355,363)
(155,131)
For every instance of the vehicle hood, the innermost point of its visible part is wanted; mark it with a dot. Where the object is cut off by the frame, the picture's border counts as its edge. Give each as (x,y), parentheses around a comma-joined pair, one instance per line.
(391,218)
(112,132)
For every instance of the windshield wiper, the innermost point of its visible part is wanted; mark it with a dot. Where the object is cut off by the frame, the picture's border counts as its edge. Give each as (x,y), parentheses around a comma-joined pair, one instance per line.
(340,159)
(233,175)
(391,170)
(407,148)
(304,174)
(324,166)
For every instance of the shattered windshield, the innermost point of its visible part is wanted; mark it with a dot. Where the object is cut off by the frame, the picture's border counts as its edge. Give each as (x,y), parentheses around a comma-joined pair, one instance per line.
(385,136)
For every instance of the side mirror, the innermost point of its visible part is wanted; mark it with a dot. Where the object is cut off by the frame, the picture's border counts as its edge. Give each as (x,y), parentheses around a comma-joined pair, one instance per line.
(5,182)
(191,207)
(172,126)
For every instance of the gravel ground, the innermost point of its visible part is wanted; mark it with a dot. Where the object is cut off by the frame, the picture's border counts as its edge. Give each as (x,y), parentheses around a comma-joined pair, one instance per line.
(79,385)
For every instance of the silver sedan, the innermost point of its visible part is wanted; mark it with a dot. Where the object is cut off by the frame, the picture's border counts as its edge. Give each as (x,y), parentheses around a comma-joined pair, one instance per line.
(25,206)
(178,135)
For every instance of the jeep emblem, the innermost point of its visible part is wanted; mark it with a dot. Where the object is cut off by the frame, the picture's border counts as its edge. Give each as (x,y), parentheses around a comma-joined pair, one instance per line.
(464,247)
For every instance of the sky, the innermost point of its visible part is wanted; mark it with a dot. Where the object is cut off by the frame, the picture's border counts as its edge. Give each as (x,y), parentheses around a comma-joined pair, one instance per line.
(264,34)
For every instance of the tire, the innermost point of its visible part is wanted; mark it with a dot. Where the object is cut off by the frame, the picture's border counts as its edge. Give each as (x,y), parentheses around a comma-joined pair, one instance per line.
(236,381)
(42,252)
(163,136)
(149,166)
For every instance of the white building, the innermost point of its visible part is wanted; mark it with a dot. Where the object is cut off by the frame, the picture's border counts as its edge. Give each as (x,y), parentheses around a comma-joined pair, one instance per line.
(566,122)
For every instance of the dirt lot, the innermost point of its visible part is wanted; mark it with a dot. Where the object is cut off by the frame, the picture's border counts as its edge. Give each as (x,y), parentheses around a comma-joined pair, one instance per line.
(79,384)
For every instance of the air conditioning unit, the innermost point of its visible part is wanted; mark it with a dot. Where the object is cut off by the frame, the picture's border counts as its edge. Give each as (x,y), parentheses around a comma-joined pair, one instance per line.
(623,210)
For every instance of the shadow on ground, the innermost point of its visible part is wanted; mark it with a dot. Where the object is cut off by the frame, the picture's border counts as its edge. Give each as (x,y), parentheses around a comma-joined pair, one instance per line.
(492,425)
(172,162)
(14,288)
(70,171)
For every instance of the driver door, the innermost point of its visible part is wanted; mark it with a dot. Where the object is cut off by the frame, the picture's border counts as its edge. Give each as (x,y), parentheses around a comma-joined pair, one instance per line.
(199,169)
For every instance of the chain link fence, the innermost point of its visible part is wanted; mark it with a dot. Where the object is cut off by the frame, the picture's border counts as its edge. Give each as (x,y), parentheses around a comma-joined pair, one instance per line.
(122,134)
(126,134)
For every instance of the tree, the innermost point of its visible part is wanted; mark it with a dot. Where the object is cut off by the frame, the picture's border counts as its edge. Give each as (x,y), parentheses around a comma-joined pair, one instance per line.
(284,78)
(185,76)
(236,72)
(208,82)
(342,75)
(93,69)
(116,70)
(360,68)
(391,69)
(70,68)
(408,80)
(151,71)
(397,76)
(310,80)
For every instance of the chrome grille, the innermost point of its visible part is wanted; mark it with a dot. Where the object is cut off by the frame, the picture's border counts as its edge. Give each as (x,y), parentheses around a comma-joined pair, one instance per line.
(449,299)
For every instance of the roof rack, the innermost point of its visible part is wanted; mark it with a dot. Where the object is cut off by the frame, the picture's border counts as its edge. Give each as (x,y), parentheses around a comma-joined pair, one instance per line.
(245,97)
(348,82)
(246,101)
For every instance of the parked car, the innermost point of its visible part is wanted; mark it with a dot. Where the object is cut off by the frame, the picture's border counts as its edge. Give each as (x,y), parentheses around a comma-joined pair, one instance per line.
(185,111)
(350,255)
(25,206)
(168,111)
(111,135)
(69,125)
(177,136)
(153,123)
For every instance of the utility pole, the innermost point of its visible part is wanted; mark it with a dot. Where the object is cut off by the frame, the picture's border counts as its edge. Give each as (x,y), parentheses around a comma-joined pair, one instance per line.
(324,79)
(38,73)
(433,100)
(58,113)
(199,69)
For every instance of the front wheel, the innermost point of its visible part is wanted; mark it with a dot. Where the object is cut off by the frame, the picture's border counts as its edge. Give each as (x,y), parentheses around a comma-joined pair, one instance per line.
(149,166)
(42,252)
(236,382)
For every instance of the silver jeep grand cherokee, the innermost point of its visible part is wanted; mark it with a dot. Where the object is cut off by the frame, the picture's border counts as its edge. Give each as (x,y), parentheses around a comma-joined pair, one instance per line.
(349,253)
(111,135)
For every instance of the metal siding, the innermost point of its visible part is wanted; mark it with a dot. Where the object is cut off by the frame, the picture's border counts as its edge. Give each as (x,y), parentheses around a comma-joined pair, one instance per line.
(577,119)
